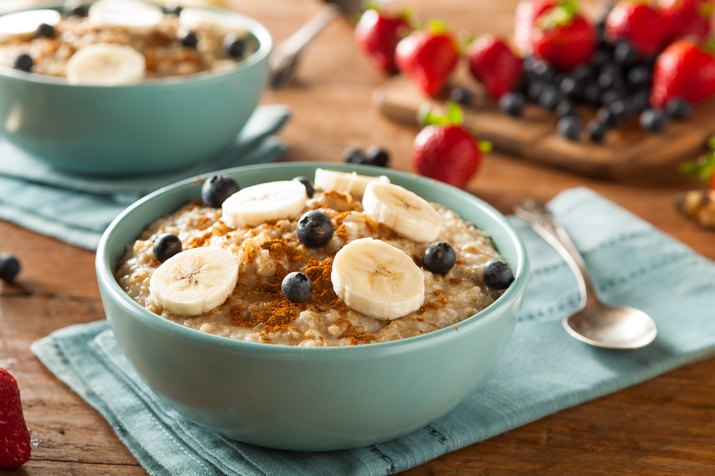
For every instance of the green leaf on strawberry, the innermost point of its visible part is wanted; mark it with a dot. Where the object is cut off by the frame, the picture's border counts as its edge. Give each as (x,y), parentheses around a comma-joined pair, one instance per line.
(558,16)
(704,167)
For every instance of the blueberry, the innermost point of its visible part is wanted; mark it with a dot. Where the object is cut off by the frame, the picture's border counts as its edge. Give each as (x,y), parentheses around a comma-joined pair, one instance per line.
(9,267)
(611,95)
(439,257)
(639,76)
(77,10)
(314,229)
(24,62)
(512,104)
(609,77)
(582,73)
(596,131)
(542,70)
(639,101)
(654,120)
(173,10)
(601,57)
(605,116)
(353,155)
(497,275)
(378,156)
(569,127)
(188,39)
(296,287)
(166,246)
(549,98)
(570,86)
(625,54)
(234,45)
(308,184)
(216,189)
(565,108)
(619,110)
(534,90)
(45,31)
(461,96)
(678,108)
(592,93)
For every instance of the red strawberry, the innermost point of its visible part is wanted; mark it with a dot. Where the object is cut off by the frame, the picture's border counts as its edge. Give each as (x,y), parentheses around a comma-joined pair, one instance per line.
(378,34)
(562,37)
(638,23)
(687,18)
(428,57)
(683,70)
(527,11)
(494,64)
(14,437)
(445,150)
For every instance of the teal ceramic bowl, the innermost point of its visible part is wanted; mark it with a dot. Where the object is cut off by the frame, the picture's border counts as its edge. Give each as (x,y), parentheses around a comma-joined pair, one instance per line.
(301,398)
(149,127)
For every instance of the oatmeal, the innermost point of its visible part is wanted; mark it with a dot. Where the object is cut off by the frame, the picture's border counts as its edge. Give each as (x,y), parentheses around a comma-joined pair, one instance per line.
(372,264)
(122,41)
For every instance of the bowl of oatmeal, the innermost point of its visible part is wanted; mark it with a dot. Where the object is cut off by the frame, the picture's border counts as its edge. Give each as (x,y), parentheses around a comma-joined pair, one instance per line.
(312,307)
(123,87)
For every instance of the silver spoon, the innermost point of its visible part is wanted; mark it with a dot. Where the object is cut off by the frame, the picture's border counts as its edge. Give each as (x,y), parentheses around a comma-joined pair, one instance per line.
(595,323)
(285,57)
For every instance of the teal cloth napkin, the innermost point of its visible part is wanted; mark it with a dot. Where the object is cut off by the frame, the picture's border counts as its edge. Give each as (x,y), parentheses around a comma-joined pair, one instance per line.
(542,371)
(77,209)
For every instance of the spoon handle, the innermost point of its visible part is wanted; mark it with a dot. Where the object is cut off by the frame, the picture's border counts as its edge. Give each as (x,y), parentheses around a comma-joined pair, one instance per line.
(544,224)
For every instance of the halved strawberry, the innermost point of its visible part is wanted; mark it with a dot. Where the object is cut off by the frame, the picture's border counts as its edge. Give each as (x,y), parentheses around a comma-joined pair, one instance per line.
(428,57)
(493,63)
(563,37)
(378,33)
(642,25)
(687,18)
(683,70)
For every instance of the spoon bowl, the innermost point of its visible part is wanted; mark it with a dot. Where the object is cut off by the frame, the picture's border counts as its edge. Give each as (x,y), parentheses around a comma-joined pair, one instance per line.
(612,327)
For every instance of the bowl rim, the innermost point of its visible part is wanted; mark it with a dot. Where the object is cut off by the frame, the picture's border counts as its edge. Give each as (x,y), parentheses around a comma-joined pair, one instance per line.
(105,276)
(256,28)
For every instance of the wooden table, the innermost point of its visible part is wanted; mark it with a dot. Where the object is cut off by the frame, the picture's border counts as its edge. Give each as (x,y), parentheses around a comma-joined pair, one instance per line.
(666,425)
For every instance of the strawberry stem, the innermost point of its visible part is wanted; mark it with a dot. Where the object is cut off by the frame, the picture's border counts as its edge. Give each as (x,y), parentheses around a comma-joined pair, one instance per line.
(436,27)
(704,167)
(558,16)
(485,146)
(453,116)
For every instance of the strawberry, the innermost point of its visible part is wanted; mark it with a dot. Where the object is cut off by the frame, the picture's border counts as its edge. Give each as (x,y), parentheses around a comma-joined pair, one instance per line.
(428,57)
(378,34)
(14,437)
(683,70)
(494,64)
(527,11)
(687,18)
(444,150)
(562,37)
(643,26)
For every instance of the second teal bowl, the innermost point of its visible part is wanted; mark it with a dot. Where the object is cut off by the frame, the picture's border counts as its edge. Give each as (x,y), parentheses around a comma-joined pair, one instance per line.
(301,398)
(154,126)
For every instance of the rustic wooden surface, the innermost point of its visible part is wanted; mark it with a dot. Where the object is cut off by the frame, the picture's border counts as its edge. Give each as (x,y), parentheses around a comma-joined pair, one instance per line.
(627,151)
(664,426)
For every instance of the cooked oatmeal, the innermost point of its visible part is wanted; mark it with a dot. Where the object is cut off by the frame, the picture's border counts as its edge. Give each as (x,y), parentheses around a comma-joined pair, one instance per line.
(168,48)
(257,311)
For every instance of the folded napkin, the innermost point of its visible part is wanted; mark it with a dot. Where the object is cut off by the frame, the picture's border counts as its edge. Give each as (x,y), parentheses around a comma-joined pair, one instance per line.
(542,371)
(77,209)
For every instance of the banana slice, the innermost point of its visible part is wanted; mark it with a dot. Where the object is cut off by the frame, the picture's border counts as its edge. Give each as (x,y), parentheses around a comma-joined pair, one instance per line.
(24,24)
(263,203)
(198,19)
(409,215)
(135,16)
(347,182)
(105,64)
(377,279)
(194,281)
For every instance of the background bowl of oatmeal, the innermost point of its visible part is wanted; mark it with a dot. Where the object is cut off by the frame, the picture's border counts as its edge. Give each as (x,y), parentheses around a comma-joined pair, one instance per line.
(152,126)
(310,398)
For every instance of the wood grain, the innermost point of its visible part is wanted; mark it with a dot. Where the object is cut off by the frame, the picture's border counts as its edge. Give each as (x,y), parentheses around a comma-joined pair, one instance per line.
(664,426)
(627,151)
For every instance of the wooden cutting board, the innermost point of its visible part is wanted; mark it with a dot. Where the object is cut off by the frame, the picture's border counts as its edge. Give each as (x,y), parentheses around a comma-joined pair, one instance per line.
(626,152)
